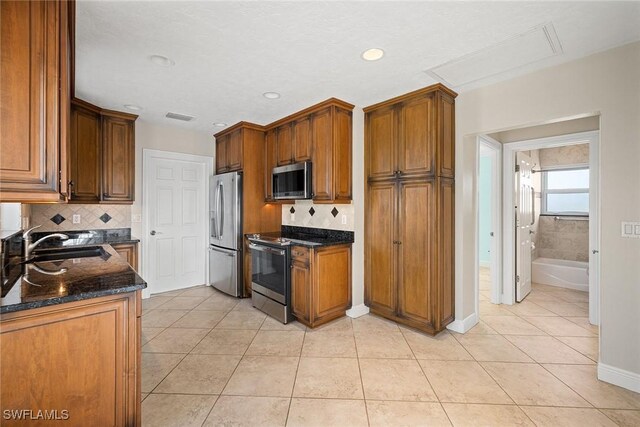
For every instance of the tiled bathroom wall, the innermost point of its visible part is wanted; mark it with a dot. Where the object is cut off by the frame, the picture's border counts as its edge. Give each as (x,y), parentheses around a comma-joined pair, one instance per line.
(566,238)
(305,213)
(60,217)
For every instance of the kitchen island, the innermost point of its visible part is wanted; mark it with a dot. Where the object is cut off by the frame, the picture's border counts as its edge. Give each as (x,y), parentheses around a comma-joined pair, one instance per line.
(70,337)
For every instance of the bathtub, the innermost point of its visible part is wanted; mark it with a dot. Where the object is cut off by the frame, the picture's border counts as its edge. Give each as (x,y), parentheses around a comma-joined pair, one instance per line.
(561,273)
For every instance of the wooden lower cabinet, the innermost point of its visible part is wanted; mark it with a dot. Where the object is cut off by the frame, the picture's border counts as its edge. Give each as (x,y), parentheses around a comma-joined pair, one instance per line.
(409,252)
(128,251)
(320,283)
(82,357)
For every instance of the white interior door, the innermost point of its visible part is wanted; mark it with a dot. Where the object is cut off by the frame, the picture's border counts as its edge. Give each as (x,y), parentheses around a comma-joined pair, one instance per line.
(177,225)
(524,222)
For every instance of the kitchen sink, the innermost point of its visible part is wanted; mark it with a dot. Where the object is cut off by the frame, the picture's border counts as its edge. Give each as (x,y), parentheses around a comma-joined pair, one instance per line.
(67,253)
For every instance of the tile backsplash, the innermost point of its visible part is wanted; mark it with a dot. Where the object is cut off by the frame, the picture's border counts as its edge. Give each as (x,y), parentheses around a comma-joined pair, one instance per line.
(563,239)
(60,217)
(305,213)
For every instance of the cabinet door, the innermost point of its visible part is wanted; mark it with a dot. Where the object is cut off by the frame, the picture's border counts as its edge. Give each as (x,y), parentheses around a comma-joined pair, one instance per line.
(380,128)
(342,156)
(128,251)
(380,252)
(285,147)
(301,290)
(302,139)
(416,237)
(331,282)
(234,151)
(222,143)
(322,139)
(118,161)
(56,370)
(417,133)
(445,254)
(85,155)
(271,162)
(33,94)
(446,138)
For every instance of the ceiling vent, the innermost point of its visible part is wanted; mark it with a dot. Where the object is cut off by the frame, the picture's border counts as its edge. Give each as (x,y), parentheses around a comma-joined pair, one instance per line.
(182,117)
(531,46)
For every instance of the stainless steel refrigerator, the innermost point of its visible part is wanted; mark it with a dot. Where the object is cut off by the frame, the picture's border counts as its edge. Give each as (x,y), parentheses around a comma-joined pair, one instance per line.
(225,233)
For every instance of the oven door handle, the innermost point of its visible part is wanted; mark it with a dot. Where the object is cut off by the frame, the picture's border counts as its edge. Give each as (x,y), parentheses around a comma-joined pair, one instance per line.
(260,248)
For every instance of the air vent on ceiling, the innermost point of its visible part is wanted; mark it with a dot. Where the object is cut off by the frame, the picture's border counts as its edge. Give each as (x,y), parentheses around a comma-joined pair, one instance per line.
(531,46)
(176,116)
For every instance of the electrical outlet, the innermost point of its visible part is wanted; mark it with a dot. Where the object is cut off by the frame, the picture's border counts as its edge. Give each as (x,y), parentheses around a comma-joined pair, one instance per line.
(76,218)
(344,219)
(292,217)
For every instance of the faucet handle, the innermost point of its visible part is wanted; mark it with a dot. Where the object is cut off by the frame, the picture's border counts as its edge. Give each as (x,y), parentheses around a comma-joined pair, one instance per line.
(28,232)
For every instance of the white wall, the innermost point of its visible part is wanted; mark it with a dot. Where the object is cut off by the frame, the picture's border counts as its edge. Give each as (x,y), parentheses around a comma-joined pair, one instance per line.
(607,83)
(167,138)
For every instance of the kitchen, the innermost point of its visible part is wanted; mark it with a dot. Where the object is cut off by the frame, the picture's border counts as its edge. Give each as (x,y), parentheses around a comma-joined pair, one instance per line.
(314,237)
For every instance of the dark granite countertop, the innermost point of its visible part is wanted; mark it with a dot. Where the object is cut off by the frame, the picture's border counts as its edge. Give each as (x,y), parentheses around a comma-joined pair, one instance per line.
(88,277)
(6,234)
(86,237)
(312,237)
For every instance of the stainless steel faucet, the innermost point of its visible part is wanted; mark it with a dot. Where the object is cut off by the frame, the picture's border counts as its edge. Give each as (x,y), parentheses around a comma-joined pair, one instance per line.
(29,247)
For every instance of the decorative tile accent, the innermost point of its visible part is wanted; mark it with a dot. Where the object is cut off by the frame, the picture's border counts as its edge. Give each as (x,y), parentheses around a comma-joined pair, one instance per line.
(105,218)
(324,216)
(334,212)
(312,211)
(89,217)
(292,210)
(58,219)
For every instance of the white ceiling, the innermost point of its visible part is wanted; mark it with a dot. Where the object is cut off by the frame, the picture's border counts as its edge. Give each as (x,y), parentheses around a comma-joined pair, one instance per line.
(228,53)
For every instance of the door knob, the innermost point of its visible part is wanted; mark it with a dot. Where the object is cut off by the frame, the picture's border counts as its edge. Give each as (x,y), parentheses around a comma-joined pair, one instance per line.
(595,251)
(153,232)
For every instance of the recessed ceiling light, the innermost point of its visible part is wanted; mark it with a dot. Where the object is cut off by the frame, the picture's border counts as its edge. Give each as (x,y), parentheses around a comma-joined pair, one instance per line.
(372,54)
(161,60)
(132,107)
(271,95)
(220,125)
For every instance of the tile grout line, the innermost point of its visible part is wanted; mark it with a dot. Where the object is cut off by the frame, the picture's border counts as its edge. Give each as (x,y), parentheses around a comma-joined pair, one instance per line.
(234,369)
(364,393)
(295,377)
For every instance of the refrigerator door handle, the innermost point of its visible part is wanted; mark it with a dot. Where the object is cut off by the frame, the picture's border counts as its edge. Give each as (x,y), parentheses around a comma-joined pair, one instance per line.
(221,210)
(217,212)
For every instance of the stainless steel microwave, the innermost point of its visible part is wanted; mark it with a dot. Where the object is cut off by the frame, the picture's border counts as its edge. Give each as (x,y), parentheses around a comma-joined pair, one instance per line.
(292,181)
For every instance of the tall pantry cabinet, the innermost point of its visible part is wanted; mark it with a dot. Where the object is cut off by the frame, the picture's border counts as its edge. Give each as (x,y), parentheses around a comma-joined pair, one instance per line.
(409,216)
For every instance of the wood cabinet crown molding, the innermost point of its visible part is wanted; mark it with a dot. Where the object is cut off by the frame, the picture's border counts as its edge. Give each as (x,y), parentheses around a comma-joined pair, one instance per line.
(407,96)
(239,125)
(310,110)
(89,106)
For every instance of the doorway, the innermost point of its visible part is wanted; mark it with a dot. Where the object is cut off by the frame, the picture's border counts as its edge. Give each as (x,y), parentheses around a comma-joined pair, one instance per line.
(566,198)
(489,254)
(175,220)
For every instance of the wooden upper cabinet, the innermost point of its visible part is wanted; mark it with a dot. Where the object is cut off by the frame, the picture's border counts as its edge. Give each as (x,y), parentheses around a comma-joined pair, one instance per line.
(118,159)
(415,239)
(412,135)
(271,162)
(34,95)
(322,161)
(416,139)
(85,154)
(446,132)
(234,151)
(380,251)
(381,142)
(285,144)
(343,158)
(222,143)
(302,139)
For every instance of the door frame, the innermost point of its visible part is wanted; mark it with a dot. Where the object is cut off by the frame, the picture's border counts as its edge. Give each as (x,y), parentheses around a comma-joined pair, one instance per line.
(147,155)
(508,214)
(494,148)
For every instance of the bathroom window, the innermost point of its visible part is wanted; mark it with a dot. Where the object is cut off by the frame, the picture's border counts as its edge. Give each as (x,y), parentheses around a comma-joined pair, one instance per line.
(565,192)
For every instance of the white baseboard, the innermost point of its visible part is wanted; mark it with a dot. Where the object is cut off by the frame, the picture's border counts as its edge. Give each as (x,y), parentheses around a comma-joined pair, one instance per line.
(620,377)
(357,311)
(462,326)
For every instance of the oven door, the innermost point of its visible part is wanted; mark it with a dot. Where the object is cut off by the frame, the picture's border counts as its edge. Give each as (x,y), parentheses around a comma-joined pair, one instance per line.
(270,272)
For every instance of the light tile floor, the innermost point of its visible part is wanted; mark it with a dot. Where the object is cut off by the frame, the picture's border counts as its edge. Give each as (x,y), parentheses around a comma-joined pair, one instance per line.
(212,360)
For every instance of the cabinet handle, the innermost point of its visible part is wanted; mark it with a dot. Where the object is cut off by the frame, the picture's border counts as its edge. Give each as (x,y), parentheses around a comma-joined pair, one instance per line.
(70,183)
